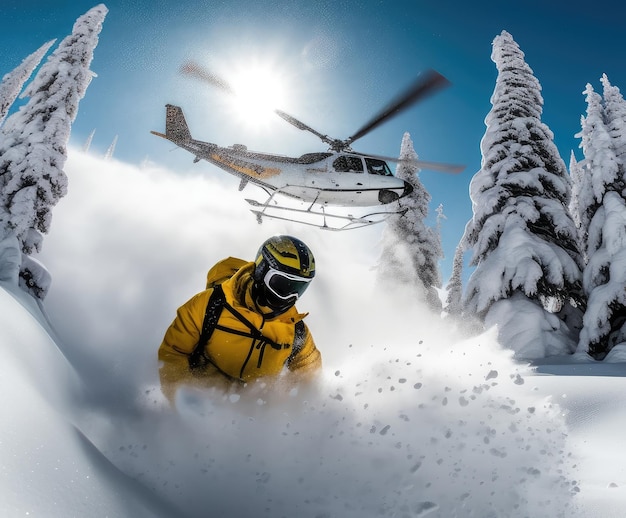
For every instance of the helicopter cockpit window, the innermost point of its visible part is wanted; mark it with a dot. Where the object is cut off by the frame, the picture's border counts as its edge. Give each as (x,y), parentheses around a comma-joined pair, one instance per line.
(380,167)
(311,158)
(348,164)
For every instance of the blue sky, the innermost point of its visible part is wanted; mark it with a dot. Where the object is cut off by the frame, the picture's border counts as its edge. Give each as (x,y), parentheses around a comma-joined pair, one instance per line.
(339,61)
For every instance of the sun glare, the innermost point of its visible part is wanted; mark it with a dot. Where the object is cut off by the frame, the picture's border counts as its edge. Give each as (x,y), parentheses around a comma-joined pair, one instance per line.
(259,90)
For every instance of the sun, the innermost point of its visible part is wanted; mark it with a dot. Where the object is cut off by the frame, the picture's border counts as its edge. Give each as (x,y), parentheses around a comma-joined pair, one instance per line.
(259,89)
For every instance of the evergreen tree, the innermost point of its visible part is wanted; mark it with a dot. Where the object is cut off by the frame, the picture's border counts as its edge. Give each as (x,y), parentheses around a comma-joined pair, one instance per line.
(576,177)
(454,288)
(12,83)
(615,110)
(87,143)
(604,322)
(411,249)
(33,140)
(604,279)
(527,277)
(109,154)
(599,167)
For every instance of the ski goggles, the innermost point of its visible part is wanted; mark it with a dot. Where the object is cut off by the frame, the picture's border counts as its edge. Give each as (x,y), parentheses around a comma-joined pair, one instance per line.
(285,285)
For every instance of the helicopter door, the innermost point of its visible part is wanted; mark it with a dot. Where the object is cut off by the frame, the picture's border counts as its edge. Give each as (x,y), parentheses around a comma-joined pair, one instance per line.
(349,176)
(378,167)
(348,164)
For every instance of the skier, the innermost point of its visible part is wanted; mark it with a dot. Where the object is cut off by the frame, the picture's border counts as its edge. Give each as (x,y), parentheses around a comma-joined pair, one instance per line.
(245,325)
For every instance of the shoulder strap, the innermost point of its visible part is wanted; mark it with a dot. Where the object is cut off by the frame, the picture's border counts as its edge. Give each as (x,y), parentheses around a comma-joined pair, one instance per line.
(197,358)
(217,302)
(298,340)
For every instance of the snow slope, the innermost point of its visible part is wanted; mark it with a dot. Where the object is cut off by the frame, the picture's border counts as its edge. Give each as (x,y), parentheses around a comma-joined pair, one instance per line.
(413,417)
(595,408)
(49,468)
(370,442)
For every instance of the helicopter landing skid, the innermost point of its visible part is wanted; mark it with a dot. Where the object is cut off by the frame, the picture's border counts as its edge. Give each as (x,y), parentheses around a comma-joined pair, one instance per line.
(344,221)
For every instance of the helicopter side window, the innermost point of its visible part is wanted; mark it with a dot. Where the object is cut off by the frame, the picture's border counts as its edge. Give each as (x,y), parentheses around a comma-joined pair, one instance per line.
(348,164)
(378,167)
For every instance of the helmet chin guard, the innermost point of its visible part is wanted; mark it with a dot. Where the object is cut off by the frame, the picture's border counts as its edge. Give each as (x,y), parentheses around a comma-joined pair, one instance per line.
(266,299)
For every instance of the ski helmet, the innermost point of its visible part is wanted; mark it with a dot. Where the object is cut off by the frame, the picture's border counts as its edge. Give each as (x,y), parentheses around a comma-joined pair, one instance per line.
(284,268)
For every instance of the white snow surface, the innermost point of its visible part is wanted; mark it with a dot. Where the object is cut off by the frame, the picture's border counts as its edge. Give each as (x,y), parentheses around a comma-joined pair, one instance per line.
(412,417)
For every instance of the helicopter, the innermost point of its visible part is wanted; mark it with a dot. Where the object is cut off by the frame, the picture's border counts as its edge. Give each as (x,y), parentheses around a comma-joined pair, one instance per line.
(338,177)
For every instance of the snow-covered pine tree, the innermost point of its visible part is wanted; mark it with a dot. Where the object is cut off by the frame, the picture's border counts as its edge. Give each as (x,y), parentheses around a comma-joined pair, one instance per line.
(411,249)
(604,278)
(615,110)
(454,288)
(33,140)
(576,181)
(12,83)
(599,167)
(87,143)
(109,154)
(527,278)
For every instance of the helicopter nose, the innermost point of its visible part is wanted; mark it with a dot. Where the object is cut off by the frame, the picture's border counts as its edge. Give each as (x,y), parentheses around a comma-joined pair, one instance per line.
(408,189)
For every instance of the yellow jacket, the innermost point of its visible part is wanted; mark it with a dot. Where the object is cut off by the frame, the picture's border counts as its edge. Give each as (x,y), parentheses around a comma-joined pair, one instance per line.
(232,352)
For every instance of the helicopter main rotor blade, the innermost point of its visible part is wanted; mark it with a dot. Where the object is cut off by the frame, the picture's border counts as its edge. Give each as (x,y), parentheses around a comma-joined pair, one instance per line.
(426,84)
(300,125)
(194,70)
(437,166)
(423,164)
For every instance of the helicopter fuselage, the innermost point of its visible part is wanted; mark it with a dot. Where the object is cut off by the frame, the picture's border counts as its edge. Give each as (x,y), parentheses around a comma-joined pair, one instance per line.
(327,178)
(341,179)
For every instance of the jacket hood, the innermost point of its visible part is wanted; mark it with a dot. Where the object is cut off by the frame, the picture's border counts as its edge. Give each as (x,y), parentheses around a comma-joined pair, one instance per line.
(223,270)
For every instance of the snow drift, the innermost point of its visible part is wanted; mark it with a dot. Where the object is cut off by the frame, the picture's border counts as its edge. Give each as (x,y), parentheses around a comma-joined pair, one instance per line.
(408,428)
(49,468)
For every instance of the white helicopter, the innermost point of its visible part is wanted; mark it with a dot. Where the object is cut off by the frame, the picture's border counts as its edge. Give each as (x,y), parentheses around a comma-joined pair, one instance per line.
(339,177)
